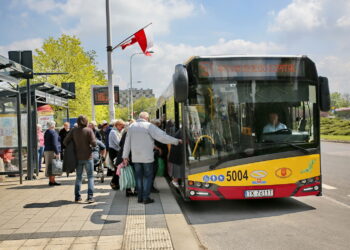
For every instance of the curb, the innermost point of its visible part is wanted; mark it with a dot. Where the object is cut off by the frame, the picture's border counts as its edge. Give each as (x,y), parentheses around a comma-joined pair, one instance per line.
(182,235)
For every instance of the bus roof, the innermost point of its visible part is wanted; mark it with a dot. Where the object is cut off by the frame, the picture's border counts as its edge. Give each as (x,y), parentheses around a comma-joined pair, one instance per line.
(243,56)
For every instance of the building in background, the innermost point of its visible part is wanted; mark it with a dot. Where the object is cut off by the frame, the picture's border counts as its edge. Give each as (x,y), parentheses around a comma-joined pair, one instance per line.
(136,93)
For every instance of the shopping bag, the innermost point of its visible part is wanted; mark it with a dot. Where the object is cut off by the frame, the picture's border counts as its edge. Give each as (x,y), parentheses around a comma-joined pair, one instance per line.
(161,167)
(56,167)
(127,178)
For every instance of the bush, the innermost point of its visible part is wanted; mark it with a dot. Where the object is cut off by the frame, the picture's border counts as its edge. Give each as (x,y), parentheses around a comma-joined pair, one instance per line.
(335,126)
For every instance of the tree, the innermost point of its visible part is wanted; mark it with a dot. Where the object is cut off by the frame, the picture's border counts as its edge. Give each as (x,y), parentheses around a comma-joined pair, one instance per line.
(145,104)
(339,100)
(66,54)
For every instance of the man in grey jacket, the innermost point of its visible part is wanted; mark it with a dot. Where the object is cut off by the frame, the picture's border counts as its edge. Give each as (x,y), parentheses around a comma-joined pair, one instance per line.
(140,140)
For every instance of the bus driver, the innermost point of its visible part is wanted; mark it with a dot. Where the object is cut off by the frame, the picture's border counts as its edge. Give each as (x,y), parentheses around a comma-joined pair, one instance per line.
(274,124)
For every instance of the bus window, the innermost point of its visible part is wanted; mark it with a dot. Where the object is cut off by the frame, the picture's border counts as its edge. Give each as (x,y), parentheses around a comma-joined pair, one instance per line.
(226,119)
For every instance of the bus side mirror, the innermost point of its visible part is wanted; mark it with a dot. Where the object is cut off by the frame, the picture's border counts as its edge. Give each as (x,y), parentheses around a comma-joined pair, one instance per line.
(180,83)
(325,100)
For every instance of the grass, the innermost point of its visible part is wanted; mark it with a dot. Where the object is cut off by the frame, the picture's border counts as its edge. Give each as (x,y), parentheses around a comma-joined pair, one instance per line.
(336,137)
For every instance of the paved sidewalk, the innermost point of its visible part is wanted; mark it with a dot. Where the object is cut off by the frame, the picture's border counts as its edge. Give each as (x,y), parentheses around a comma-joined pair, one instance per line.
(36,216)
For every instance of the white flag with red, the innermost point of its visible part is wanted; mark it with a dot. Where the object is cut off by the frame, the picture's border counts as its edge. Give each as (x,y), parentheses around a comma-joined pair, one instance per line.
(144,38)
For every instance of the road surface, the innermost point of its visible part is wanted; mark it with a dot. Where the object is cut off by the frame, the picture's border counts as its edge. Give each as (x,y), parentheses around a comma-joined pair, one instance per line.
(288,223)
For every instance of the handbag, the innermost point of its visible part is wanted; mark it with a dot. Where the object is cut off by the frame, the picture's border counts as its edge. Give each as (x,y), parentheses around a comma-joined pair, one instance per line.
(56,167)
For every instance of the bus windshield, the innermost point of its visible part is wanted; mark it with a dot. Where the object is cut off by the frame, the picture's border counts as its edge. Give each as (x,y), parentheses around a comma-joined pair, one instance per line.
(240,119)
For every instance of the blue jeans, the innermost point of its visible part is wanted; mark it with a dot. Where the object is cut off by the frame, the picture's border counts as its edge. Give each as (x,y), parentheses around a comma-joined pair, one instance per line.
(144,179)
(89,168)
(40,156)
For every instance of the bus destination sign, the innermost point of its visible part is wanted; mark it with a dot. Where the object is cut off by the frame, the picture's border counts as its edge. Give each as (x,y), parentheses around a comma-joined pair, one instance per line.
(245,68)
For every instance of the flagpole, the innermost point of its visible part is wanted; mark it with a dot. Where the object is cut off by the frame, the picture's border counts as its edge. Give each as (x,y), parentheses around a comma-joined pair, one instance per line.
(109,67)
(129,37)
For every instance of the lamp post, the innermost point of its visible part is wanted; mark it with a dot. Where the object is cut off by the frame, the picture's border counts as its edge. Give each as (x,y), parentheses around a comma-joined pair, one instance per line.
(109,66)
(131,104)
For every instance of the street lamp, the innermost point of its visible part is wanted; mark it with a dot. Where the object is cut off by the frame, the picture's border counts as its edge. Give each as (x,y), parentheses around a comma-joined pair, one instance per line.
(130,93)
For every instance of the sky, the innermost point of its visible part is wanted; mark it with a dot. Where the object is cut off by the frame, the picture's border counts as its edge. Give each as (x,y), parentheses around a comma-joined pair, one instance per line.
(319,29)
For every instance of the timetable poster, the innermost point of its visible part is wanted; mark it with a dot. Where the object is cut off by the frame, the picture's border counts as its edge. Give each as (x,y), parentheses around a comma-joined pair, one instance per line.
(8,130)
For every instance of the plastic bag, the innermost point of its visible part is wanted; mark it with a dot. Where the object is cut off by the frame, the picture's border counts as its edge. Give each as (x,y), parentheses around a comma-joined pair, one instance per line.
(56,167)
(161,167)
(119,167)
(127,178)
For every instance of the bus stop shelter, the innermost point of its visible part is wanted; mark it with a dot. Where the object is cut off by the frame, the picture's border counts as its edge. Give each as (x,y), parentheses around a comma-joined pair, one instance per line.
(12,138)
(16,156)
(44,95)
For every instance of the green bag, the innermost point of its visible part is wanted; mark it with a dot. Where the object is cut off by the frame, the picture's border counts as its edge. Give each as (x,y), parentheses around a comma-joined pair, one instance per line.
(127,178)
(161,167)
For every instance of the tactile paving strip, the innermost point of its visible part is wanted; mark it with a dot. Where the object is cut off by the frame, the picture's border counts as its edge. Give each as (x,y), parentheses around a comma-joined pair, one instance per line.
(137,236)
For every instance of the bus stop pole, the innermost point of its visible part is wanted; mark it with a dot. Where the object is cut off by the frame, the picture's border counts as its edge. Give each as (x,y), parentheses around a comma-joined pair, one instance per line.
(19,136)
(29,133)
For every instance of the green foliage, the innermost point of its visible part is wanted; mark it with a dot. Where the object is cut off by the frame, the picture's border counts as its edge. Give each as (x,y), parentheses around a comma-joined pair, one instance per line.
(122,113)
(141,104)
(145,104)
(335,126)
(339,100)
(66,54)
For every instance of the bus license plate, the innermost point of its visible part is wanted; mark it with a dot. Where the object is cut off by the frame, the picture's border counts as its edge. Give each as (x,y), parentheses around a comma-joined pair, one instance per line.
(258,193)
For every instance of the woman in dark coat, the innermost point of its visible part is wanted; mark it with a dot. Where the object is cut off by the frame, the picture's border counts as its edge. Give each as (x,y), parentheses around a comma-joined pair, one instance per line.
(176,158)
(52,150)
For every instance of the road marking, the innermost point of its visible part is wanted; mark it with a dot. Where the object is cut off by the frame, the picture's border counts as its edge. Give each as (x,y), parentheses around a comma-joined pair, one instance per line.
(325,186)
(335,201)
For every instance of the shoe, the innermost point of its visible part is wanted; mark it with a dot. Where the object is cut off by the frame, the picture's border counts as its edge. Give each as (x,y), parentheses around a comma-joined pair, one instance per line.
(149,200)
(78,199)
(41,171)
(139,200)
(56,184)
(90,200)
(176,184)
(154,190)
(51,184)
(114,186)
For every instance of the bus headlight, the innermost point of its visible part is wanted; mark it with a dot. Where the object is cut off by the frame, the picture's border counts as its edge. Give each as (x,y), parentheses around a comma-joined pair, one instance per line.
(206,185)
(310,180)
(198,184)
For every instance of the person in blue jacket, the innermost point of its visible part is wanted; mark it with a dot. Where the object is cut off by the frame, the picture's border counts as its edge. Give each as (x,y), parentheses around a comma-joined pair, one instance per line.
(52,150)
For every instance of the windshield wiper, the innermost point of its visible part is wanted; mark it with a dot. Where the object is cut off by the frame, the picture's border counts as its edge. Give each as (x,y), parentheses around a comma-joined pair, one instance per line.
(305,151)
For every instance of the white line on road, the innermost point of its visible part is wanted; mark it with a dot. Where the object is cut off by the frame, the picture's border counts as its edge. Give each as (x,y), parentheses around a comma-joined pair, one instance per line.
(325,186)
(335,201)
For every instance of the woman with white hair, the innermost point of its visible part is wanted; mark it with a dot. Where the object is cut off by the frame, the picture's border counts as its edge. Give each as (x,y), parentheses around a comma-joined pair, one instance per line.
(52,150)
